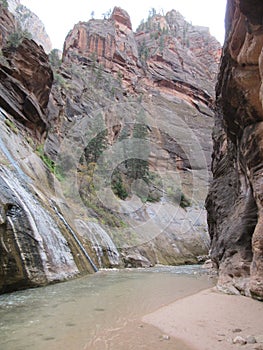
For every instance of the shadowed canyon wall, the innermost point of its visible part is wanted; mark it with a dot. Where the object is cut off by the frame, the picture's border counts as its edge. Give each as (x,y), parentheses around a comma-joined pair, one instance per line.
(234,204)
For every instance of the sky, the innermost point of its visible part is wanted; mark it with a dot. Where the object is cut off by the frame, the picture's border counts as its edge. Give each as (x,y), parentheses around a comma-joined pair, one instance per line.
(59,17)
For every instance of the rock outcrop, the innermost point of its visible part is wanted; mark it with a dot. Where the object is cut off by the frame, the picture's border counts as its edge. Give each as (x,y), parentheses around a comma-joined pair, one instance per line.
(107,164)
(7,25)
(26,76)
(30,22)
(26,80)
(111,79)
(234,204)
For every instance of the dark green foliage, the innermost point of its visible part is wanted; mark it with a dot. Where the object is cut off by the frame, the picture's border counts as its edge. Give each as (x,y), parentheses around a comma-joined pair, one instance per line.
(161,44)
(99,73)
(55,59)
(141,26)
(4,3)
(60,81)
(185,39)
(179,197)
(138,168)
(152,13)
(51,165)
(118,188)
(11,125)
(96,146)
(132,168)
(49,162)
(15,38)
(184,202)
(24,13)
(143,51)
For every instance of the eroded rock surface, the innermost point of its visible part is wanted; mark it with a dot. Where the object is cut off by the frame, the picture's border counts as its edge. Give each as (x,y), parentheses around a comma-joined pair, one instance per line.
(62,140)
(30,22)
(110,79)
(26,80)
(234,203)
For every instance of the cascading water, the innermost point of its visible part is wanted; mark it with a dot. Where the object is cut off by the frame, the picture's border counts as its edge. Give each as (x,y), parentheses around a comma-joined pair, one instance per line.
(35,232)
(99,239)
(76,238)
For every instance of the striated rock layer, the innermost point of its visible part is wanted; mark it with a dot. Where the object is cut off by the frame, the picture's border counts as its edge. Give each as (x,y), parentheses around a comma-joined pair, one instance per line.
(234,203)
(115,78)
(125,112)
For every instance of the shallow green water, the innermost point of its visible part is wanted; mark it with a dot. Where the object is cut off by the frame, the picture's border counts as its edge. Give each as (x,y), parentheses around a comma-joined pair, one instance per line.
(100,311)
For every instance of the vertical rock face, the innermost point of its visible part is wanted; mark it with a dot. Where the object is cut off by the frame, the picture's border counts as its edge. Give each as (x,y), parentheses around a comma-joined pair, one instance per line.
(114,77)
(197,39)
(31,23)
(88,192)
(235,204)
(7,25)
(26,80)
(110,42)
(25,77)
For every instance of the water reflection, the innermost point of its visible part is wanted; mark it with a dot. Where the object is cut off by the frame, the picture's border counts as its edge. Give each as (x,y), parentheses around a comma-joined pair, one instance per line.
(101,311)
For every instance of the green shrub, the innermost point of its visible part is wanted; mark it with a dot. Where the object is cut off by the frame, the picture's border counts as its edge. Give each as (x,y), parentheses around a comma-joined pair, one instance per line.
(51,165)
(14,39)
(4,3)
(11,125)
(48,161)
(185,201)
(179,197)
(59,80)
(119,188)
(54,58)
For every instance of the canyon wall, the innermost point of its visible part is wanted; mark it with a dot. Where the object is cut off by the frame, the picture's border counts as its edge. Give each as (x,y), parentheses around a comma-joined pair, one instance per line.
(105,155)
(31,23)
(234,203)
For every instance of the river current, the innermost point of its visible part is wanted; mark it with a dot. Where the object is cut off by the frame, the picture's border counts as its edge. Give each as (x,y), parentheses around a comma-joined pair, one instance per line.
(97,312)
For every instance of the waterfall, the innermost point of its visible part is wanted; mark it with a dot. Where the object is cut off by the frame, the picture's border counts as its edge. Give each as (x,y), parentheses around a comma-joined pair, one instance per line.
(8,155)
(75,237)
(42,247)
(99,239)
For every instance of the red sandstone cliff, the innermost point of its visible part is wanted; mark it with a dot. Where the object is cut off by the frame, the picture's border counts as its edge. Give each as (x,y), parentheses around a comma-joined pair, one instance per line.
(26,77)
(114,86)
(234,204)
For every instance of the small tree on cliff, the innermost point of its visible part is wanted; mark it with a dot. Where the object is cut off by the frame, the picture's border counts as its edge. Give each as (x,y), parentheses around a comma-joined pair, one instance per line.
(14,39)
(54,58)
(107,14)
(152,12)
(4,3)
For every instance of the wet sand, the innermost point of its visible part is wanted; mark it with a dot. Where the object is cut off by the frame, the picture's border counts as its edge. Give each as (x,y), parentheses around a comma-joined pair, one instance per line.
(136,336)
(211,320)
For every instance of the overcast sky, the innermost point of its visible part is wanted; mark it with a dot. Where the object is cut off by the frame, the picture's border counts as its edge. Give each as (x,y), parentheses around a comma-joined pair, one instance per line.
(60,16)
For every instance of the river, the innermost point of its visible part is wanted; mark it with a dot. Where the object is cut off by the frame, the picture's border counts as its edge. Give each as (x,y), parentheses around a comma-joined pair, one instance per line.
(97,312)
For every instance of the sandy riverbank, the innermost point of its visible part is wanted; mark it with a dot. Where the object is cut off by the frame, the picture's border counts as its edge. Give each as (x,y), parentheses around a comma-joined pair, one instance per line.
(211,320)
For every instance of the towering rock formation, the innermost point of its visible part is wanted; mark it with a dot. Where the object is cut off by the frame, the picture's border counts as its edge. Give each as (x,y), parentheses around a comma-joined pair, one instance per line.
(30,22)
(113,78)
(105,159)
(26,78)
(234,204)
